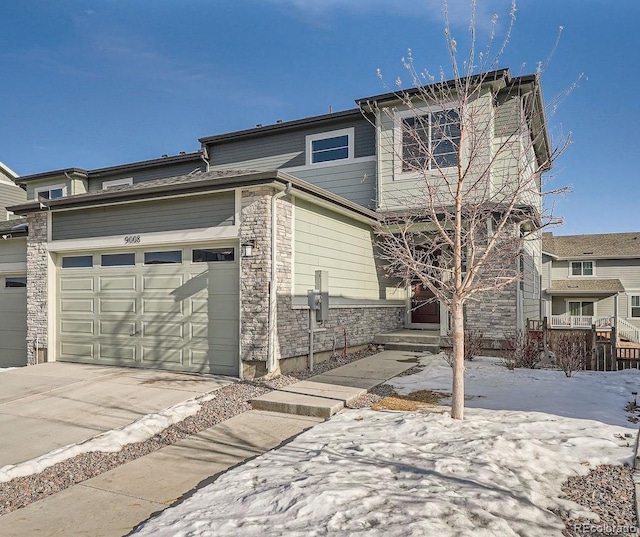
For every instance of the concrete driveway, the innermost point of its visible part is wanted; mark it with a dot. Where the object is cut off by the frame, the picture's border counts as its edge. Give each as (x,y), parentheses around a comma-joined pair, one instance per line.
(48,406)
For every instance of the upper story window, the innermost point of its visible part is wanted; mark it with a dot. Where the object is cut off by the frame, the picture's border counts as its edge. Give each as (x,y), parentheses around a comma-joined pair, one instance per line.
(330,146)
(582,268)
(51,192)
(106,185)
(635,306)
(428,141)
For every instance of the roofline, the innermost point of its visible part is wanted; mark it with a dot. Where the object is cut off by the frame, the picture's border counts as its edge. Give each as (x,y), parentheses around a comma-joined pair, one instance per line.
(211,184)
(287,125)
(578,292)
(8,171)
(592,257)
(161,161)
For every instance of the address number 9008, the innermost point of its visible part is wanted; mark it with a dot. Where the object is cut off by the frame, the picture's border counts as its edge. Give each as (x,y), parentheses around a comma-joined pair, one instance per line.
(132,239)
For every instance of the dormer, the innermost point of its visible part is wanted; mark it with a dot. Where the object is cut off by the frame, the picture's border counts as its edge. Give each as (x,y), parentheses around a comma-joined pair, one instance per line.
(55,184)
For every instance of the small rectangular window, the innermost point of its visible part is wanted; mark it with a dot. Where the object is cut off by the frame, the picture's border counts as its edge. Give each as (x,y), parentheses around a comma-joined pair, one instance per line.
(118,260)
(336,148)
(15,281)
(635,306)
(162,258)
(582,268)
(51,192)
(77,261)
(210,255)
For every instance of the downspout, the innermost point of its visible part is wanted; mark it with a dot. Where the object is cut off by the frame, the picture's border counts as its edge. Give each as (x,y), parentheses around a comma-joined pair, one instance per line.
(205,157)
(273,282)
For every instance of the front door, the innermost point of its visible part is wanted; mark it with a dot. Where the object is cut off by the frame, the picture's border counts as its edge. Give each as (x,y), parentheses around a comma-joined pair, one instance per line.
(425,309)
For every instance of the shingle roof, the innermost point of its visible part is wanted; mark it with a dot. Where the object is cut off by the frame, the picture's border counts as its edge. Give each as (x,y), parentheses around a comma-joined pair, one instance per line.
(6,226)
(606,245)
(585,286)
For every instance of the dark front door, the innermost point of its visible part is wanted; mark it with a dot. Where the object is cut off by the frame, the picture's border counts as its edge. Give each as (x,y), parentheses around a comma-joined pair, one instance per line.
(424,307)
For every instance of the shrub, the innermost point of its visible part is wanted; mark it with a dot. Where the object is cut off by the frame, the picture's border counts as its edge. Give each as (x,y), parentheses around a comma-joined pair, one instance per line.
(522,350)
(472,346)
(571,350)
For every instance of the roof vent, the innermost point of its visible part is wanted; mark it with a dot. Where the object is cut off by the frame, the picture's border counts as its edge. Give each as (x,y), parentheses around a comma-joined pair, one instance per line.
(259,125)
(278,121)
(587,253)
(182,153)
(165,156)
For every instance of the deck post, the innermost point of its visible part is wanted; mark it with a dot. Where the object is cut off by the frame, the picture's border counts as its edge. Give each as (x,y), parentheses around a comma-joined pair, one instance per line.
(614,348)
(594,339)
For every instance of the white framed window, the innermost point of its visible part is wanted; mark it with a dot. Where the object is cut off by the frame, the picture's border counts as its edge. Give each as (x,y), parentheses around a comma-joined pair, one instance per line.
(582,268)
(634,306)
(106,185)
(50,192)
(328,147)
(426,139)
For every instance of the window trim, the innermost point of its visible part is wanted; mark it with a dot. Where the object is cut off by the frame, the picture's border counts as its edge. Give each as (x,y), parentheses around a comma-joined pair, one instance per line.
(63,257)
(144,257)
(127,181)
(582,274)
(102,254)
(630,306)
(49,188)
(310,138)
(398,142)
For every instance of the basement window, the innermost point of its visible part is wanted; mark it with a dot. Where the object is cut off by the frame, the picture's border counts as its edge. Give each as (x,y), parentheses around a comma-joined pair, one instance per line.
(210,255)
(77,261)
(15,281)
(163,258)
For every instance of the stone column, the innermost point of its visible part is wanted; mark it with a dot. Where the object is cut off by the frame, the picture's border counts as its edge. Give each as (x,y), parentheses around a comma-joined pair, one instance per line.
(37,289)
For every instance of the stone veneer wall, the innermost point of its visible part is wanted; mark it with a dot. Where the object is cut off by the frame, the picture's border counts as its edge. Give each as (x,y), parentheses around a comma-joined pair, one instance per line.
(37,286)
(494,314)
(255,273)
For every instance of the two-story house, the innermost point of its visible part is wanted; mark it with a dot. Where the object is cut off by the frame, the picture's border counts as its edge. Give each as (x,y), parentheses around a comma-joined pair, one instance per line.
(592,280)
(203,261)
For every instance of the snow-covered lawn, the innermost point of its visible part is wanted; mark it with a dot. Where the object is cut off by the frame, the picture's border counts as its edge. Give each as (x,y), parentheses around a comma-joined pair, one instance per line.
(496,473)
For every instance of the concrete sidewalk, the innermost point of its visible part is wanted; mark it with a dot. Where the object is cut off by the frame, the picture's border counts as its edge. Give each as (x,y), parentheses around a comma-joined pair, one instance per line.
(113,503)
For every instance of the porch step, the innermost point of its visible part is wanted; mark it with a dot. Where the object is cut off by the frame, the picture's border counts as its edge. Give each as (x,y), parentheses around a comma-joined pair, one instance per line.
(413,347)
(410,340)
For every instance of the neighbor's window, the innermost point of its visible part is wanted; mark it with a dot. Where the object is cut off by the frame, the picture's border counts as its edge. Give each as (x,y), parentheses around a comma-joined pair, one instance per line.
(330,146)
(209,255)
(161,258)
(430,141)
(106,185)
(118,260)
(77,261)
(579,308)
(51,192)
(15,281)
(582,268)
(635,306)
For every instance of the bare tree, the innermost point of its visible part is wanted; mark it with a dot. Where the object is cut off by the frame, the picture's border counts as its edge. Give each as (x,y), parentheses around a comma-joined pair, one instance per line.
(476,146)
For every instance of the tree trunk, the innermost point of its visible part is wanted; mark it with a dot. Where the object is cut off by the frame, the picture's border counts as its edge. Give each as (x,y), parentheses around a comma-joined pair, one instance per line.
(457,340)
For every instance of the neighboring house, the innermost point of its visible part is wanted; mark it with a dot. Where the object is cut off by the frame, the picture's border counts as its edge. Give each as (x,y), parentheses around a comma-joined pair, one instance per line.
(202,261)
(13,273)
(592,279)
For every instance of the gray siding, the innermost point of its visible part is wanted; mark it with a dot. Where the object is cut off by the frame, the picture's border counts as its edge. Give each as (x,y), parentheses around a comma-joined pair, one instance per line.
(13,251)
(190,212)
(286,149)
(10,195)
(507,119)
(149,174)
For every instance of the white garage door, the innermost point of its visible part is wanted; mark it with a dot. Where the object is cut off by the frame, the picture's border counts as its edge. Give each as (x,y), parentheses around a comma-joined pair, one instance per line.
(167,308)
(13,320)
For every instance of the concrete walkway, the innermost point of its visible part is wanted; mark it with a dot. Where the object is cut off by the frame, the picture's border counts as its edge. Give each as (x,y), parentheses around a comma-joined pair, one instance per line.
(113,503)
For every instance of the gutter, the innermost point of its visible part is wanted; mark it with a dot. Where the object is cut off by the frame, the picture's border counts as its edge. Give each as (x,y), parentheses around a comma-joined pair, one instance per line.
(273,283)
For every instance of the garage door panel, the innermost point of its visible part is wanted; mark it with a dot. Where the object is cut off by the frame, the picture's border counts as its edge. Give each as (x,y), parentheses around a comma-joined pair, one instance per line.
(71,349)
(161,305)
(117,283)
(117,305)
(161,355)
(76,305)
(165,283)
(160,329)
(120,352)
(71,327)
(112,328)
(69,284)
(216,307)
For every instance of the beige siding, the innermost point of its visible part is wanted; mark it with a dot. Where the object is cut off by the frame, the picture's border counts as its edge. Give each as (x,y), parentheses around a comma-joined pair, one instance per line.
(10,195)
(532,274)
(328,241)
(13,251)
(43,183)
(189,212)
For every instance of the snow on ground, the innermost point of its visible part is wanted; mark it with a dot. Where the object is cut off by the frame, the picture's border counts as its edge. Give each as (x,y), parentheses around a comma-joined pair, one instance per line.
(109,442)
(498,472)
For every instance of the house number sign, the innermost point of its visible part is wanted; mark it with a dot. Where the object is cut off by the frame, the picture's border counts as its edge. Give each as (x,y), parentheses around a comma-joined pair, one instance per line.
(132,239)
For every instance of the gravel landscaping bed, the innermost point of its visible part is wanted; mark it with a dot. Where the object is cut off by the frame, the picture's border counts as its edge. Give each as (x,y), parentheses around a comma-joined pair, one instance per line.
(607,491)
(226,402)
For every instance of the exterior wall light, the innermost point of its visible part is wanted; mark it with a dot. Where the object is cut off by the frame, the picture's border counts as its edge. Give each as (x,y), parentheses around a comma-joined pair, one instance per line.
(247,248)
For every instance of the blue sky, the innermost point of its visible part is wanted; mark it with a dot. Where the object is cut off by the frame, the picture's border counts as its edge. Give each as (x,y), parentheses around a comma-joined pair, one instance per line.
(94,83)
